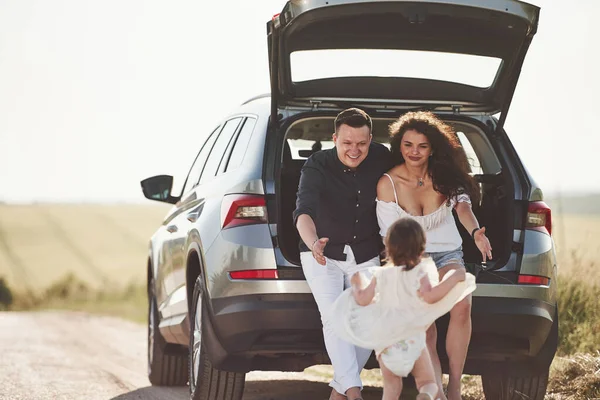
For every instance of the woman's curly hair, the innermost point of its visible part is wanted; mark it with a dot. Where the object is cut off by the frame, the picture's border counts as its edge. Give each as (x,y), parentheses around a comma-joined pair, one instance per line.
(448,165)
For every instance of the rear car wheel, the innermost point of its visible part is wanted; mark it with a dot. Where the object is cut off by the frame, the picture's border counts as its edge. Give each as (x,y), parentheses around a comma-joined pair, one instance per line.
(505,387)
(206,382)
(166,365)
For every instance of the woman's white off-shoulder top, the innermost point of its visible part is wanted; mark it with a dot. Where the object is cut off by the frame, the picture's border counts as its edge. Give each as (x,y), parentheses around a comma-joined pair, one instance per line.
(440,227)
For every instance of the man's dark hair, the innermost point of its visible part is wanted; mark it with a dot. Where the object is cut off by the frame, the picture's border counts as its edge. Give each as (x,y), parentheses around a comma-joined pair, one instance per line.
(354,117)
(405,242)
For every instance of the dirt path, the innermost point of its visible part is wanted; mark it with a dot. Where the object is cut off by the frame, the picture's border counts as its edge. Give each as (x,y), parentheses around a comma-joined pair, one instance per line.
(74,356)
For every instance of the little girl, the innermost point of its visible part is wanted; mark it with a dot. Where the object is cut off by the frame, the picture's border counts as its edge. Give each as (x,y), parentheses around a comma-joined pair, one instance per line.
(392,312)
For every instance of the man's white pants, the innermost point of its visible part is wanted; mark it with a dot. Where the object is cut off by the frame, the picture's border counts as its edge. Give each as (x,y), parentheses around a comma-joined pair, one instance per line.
(327,282)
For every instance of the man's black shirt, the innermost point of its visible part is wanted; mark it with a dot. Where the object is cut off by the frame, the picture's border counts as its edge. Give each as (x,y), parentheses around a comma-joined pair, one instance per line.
(341,202)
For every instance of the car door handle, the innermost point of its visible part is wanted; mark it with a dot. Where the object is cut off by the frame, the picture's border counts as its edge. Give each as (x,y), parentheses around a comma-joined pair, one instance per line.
(172,228)
(193,216)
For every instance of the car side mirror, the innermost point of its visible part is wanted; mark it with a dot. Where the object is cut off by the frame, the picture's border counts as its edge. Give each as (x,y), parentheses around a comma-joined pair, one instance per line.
(159,188)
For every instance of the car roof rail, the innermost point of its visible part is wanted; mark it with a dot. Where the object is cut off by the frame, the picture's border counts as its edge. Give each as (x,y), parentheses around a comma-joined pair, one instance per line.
(260,96)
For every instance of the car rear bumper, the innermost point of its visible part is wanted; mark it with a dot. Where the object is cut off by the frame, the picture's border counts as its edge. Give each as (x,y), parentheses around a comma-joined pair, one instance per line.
(508,333)
(266,331)
(284,332)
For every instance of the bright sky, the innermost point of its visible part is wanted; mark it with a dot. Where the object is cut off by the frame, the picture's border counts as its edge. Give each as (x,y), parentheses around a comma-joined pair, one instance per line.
(97,95)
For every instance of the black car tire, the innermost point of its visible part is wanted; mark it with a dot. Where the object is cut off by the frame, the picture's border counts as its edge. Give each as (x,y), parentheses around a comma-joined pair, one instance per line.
(167,364)
(209,383)
(505,387)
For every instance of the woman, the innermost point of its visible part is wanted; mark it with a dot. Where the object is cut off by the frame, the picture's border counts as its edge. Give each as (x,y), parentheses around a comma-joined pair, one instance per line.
(430,180)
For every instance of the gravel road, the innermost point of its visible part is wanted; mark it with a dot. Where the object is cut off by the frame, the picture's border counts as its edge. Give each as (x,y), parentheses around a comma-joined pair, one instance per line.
(76,356)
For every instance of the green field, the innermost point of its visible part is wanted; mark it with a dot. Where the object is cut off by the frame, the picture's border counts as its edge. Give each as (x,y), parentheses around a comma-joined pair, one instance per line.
(102,245)
(577,240)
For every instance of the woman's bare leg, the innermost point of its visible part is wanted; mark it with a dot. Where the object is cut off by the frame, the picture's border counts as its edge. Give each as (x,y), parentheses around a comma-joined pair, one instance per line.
(457,340)
(435,360)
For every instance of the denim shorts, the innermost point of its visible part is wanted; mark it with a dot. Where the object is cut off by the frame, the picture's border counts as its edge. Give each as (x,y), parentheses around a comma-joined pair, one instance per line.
(443,258)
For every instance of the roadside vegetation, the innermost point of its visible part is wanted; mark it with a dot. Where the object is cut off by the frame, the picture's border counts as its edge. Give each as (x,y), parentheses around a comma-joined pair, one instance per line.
(69,293)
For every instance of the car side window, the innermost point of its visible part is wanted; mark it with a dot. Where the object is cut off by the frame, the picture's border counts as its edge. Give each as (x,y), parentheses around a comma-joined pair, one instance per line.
(235,158)
(472,158)
(196,169)
(218,150)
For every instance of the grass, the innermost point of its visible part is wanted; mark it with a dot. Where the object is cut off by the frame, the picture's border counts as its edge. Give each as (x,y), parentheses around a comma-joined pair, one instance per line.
(577,240)
(575,377)
(579,320)
(70,293)
(578,251)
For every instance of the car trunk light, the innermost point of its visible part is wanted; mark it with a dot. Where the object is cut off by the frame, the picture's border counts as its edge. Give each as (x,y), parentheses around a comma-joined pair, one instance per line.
(243,209)
(539,217)
(254,274)
(250,212)
(533,280)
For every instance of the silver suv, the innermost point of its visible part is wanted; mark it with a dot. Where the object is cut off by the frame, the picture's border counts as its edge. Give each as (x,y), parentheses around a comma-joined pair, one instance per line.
(225,286)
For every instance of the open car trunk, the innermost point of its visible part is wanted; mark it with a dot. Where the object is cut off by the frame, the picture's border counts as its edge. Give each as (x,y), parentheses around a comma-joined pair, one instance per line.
(494,212)
(498,30)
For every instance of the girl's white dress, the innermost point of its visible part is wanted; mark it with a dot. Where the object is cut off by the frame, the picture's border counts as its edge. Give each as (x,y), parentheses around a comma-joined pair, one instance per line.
(395,322)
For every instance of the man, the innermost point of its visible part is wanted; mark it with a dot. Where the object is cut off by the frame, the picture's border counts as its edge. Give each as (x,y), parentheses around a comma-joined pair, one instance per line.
(335,216)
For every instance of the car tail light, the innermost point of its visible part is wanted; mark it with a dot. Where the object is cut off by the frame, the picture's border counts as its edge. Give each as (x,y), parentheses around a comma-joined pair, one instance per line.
(254,274)
(539,217)
(533,280)
(243,209)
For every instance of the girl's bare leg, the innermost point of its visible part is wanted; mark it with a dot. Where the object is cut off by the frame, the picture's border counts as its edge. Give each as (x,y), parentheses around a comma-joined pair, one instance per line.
(392,383)
(424,376)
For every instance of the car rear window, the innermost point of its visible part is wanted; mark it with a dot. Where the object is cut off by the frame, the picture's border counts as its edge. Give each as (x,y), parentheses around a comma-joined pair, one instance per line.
(467,69)
(306,136)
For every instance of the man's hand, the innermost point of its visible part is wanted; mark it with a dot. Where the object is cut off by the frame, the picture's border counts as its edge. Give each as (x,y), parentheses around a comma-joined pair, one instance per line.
(317,250)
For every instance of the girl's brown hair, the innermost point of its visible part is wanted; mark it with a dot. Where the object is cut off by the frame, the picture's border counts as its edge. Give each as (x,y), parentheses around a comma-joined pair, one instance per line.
(448,165)
(405,243)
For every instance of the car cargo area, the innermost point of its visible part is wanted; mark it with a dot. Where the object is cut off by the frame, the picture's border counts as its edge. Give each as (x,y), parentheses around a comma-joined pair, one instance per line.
(305,136)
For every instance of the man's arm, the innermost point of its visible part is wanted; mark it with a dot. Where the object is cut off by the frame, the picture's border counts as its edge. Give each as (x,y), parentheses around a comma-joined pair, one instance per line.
(308,232)
(307,202)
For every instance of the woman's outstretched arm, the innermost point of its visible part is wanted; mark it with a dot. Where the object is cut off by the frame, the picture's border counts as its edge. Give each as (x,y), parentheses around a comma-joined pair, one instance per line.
(469,221)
